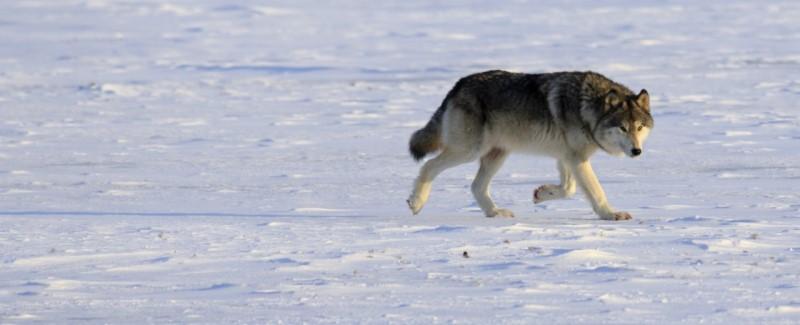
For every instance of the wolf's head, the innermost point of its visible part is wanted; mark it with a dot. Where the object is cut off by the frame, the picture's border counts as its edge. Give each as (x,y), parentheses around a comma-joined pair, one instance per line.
(625,123)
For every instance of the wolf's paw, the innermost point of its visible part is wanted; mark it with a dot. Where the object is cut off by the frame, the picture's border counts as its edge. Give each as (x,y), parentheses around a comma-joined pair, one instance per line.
(547,192)
(414,205)
(617,216)
(500,212)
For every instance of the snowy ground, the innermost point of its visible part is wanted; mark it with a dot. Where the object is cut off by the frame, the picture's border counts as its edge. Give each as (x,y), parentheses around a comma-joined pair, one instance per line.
(235,161)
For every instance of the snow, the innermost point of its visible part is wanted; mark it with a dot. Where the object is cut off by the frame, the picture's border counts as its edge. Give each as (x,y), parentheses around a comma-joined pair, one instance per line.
(235,162)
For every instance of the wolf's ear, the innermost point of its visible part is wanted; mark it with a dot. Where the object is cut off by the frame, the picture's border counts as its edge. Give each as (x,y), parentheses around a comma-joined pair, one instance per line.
(643,99)
(613,99)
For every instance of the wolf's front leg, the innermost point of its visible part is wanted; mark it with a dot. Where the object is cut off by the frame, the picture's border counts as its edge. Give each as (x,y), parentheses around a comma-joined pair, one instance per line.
(587,180)
(551,191)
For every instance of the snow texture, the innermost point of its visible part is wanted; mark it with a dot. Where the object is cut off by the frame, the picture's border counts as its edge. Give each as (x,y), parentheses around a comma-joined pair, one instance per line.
(246,162)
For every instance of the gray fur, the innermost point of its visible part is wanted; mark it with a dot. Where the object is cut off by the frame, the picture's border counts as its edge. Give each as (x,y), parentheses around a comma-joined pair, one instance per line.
(565,115)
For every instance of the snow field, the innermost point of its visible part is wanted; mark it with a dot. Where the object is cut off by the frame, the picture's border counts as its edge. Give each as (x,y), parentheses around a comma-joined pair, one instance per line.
(236,162)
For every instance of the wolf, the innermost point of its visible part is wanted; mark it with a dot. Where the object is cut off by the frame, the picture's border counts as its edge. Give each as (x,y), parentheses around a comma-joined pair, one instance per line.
(565,115)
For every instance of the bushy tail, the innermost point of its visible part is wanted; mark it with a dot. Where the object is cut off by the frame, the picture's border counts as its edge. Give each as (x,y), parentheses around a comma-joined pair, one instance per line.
(429,138)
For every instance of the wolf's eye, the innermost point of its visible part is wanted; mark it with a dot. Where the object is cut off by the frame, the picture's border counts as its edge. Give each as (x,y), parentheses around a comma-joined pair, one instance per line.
(639,128)
(623,129)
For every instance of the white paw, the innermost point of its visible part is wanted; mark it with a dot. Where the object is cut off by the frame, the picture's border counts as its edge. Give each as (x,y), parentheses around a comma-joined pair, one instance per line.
(617,216)
(500,212)
(547,192)
(414,205)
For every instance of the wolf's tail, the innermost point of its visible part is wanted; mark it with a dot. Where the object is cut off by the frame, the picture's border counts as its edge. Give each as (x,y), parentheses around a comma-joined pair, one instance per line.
(429,138)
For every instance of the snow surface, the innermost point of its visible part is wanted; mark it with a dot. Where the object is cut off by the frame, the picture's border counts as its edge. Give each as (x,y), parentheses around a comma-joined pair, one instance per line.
(246,162)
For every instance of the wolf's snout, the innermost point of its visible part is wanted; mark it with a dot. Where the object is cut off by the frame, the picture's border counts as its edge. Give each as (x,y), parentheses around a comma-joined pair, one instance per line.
(636,151)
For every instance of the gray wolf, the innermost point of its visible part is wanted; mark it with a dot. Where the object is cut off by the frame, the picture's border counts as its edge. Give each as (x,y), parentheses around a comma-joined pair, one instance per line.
(564,115)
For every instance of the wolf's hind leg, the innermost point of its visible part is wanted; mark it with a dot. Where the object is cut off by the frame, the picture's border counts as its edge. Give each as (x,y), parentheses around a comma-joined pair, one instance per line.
(552,192)
(432,168)
(490,164)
